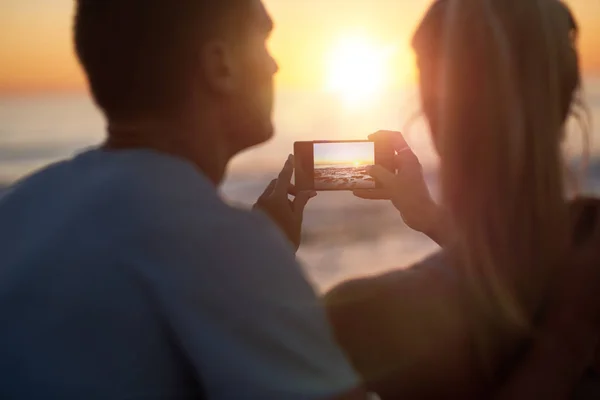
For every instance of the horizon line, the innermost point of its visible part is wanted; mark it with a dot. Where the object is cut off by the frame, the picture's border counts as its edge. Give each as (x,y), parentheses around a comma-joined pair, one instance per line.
(82,88)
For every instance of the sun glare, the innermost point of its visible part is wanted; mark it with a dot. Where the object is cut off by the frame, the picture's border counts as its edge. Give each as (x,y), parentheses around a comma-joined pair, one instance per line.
(357,70)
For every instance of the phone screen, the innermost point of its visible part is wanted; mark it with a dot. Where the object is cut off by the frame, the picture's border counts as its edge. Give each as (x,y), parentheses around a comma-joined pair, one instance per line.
(338,165)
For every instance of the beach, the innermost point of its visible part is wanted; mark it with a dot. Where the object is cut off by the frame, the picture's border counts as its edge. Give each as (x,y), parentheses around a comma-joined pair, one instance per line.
(344,237)
(343,178)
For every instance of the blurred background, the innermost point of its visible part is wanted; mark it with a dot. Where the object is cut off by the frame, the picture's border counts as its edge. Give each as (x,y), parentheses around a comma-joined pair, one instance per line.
(347,70)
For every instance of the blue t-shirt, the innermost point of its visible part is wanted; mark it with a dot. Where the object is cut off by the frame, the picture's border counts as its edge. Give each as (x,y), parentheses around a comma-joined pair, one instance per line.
(123,275)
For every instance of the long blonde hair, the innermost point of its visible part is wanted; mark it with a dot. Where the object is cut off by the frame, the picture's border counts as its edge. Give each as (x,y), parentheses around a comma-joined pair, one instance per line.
(505,74)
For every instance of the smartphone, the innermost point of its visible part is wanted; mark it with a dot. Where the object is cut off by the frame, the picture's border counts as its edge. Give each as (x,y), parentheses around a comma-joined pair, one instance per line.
(326,165)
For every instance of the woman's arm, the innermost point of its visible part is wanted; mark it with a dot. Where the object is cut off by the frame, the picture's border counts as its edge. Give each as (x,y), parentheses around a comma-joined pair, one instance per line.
(438,228)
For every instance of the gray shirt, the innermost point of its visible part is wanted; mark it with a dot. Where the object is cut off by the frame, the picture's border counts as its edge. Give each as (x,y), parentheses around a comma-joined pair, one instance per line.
(125,276)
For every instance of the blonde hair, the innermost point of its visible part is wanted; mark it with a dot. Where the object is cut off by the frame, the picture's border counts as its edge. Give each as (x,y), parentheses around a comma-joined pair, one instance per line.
(506,73)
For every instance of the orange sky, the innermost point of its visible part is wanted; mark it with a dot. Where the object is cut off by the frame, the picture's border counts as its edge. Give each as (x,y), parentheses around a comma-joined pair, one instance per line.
(36,51)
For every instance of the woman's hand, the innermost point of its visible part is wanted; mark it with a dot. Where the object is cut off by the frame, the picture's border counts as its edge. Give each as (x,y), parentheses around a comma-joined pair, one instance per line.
(276,204)
(406,189)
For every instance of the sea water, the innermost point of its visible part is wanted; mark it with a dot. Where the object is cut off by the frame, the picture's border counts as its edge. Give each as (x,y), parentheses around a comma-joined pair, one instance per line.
(344,237)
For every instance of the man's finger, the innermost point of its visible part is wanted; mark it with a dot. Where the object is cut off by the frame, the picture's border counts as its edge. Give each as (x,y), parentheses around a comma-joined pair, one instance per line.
(285,176)
(372,194)
(292,189)
(382,175)
(301,201)
(269,190)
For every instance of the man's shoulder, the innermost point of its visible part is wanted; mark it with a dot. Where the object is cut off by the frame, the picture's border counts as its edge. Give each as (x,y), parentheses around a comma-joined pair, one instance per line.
(146,189)
(223,253)
(116,174)
(170,199)
(225,234)
(137,194)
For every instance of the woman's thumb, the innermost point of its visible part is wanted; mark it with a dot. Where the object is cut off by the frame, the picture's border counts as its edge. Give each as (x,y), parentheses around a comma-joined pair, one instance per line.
(382,175)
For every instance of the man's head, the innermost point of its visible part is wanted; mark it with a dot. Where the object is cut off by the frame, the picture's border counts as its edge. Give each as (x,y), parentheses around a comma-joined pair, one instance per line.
(151,59)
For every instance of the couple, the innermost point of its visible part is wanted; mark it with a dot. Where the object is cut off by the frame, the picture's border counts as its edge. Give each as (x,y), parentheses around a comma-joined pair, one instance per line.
(124,274)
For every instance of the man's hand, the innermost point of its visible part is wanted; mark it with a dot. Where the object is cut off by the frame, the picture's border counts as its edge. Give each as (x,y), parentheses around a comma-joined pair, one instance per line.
(276,204)
(406,188)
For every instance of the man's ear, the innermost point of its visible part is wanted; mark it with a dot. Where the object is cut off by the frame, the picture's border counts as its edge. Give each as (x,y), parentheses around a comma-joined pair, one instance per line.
(218,64)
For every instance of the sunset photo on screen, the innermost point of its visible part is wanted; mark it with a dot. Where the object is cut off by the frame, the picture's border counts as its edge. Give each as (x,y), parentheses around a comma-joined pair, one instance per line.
(343,166)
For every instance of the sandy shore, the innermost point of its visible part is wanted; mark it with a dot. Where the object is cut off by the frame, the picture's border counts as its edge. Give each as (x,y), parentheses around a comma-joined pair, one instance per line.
(343,178)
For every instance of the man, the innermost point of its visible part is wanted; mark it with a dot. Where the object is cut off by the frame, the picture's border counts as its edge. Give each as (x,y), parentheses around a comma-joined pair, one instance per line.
(124,275)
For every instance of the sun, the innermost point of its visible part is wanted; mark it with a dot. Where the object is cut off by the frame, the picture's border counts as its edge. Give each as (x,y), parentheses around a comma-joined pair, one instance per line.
(357,69)
(356,164)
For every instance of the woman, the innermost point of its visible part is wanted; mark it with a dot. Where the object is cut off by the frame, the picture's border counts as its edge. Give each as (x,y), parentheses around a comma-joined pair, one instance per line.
(498,80)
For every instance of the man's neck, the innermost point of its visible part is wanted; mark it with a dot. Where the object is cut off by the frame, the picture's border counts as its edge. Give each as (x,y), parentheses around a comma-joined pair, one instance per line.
(202,147)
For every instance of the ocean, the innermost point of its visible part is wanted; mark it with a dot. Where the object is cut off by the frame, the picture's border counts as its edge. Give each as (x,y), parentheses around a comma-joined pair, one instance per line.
(344,237)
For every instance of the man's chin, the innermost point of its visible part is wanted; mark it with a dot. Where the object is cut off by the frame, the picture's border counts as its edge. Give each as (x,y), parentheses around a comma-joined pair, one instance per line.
(255,139)
(269,133)
(263,135)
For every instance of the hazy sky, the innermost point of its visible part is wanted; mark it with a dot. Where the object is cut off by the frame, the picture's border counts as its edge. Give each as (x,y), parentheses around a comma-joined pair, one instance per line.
(337,153)
(36,50)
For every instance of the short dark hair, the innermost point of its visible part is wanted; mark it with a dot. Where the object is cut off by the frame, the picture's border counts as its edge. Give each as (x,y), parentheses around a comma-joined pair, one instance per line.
(139,54)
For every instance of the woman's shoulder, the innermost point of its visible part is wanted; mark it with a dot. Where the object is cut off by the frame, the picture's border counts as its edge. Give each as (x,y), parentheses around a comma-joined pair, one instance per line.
(419,278)
(354,291)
